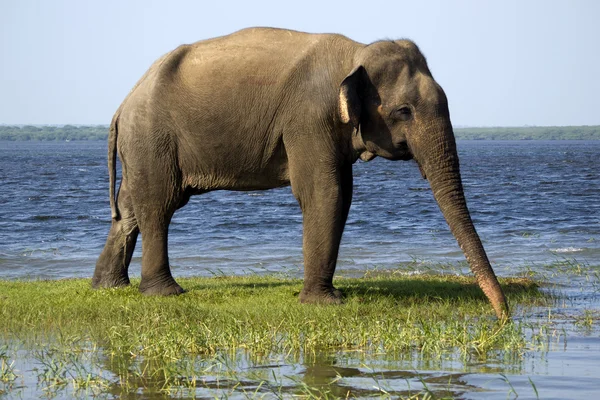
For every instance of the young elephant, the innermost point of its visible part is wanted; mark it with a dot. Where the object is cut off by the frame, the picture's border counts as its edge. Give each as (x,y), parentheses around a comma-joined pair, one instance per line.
(263,108)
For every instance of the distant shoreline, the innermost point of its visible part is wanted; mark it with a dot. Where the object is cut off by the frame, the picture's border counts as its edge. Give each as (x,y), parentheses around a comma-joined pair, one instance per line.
(100,132)
(586,132)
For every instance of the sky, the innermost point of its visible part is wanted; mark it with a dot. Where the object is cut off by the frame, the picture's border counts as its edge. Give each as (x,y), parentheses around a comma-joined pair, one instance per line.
(501,63)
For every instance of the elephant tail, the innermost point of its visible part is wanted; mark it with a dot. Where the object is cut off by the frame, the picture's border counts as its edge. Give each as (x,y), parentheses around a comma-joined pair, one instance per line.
(112,166)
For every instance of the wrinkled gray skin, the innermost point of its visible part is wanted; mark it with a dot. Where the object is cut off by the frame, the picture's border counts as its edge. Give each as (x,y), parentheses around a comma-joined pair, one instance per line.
(263,108)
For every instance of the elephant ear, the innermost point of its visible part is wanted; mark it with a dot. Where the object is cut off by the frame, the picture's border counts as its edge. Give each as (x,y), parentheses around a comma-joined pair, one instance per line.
(349,96)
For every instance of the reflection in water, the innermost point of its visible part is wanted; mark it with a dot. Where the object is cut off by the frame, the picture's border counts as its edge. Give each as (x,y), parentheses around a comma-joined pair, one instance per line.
(322,373)
(553,372)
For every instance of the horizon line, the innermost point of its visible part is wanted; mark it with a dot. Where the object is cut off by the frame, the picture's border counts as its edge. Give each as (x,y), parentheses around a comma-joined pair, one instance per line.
(458,126)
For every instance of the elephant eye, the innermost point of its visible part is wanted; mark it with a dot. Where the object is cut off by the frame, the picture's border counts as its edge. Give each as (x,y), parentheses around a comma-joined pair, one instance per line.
(404,113)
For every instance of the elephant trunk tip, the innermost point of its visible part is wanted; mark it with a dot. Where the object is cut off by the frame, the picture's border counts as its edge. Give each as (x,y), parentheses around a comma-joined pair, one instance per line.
(502,311)
(495,295)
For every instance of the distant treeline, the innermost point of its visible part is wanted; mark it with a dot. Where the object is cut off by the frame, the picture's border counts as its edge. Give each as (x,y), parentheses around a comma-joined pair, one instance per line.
(530,133)
(100,132)
(51,132)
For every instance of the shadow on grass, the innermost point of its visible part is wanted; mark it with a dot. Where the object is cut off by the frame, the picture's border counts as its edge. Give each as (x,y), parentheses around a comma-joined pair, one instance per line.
(191,286)
(432,287)
(427,287)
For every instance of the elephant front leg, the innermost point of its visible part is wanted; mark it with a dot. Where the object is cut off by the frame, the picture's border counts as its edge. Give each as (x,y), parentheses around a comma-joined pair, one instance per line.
(324,214)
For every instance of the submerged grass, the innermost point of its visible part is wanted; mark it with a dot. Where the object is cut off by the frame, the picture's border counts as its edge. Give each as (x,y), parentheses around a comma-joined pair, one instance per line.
(174,343)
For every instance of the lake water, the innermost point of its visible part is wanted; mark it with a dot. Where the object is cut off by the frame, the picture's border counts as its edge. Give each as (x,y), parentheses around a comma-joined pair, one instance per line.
(533,203)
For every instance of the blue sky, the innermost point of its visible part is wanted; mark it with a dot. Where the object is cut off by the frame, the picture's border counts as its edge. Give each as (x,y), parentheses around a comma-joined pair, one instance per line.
(502,63)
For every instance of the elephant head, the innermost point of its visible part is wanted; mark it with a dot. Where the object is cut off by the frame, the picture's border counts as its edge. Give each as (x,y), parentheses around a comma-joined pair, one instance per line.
(399,112)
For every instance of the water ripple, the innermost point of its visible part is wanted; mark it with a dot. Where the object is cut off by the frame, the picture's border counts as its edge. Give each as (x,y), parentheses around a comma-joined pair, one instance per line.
(531,202)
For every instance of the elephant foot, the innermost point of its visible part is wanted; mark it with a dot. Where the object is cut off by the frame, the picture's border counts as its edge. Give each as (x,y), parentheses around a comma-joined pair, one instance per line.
(113,281)
(160,287)
(329,296)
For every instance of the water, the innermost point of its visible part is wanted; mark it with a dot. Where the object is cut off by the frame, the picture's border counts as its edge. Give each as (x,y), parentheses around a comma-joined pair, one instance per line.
(533,203)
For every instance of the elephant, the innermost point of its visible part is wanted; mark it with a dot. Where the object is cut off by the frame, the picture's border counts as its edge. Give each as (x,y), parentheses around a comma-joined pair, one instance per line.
(263,108)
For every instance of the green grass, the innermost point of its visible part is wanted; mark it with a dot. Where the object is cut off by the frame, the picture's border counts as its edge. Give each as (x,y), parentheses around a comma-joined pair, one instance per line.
(262,315)
(74,333)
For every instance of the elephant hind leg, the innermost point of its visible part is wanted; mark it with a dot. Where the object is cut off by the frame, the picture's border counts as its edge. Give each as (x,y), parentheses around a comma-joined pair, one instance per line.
(113,263)
(156,273)
(154,219)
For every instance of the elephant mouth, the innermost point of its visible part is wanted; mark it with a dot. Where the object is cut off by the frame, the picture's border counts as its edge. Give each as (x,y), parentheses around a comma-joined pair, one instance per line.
(405,157)
(401,152)
(392,151)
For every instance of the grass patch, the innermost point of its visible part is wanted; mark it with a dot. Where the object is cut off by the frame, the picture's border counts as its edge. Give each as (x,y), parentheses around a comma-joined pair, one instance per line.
(75,333)
(262,314)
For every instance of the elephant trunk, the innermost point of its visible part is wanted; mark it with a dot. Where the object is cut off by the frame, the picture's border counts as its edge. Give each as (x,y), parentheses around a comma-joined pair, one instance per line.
(438,161)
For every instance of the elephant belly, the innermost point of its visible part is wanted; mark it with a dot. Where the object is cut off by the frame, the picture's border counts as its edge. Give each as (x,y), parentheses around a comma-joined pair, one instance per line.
(236,173)
(243,181)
